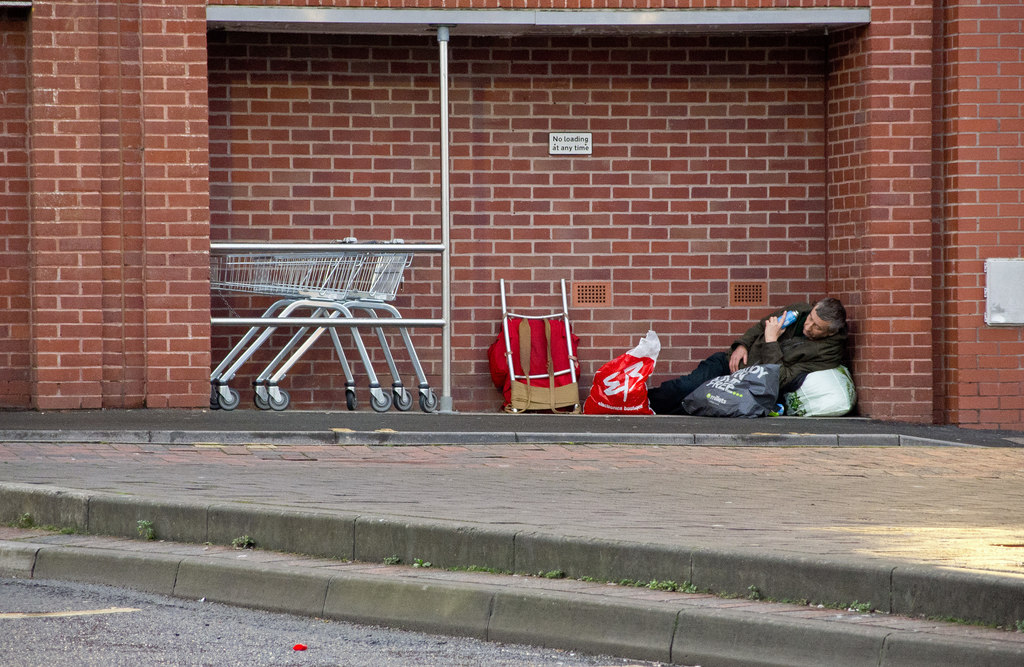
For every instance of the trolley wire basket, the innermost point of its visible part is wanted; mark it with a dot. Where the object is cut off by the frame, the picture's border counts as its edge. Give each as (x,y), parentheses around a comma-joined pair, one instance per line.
(322,276)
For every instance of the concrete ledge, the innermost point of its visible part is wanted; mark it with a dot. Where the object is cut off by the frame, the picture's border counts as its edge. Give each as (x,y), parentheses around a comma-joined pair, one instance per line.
(169,437)
(256,586)
(243,437)
(563,438)
(793,577)
(451,609)
(868,440)
(906,649)
(395,438)
(767,439)
(601,559)
(416,438)
(316,534)
(120,436)
(915,441)
(48,506)
(150,573)
(17,560)
(734,639)
(968,595)
(580,622)
(120,515)
(445,544)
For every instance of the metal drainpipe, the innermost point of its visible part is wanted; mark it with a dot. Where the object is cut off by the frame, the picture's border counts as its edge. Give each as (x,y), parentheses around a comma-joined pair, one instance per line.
(445,404)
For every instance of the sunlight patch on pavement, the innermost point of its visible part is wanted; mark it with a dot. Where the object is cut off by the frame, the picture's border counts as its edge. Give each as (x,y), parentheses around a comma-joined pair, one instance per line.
(960,547)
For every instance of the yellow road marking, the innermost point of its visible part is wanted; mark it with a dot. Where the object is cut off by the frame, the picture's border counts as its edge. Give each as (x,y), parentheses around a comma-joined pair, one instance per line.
(60,614)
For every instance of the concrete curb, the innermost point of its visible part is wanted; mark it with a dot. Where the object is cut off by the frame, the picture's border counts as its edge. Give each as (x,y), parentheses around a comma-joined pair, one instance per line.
(170,437)
(395,438)
(890,586)
(662,630)
(143,572)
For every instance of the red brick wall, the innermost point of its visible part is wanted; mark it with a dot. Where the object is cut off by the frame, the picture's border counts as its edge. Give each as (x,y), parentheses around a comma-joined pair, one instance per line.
(884,171)
(119,280)
(708,167)
(15,339)
(880,204)
(979,210)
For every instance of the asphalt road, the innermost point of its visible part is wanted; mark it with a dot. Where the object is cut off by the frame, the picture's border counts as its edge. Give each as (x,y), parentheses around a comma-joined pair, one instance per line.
(49,623)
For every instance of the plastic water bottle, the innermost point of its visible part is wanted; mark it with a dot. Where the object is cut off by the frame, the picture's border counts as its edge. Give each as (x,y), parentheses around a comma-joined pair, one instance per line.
(788,318)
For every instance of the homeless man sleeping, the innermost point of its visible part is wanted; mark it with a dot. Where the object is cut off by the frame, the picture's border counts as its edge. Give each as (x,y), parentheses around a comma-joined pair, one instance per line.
(816,341)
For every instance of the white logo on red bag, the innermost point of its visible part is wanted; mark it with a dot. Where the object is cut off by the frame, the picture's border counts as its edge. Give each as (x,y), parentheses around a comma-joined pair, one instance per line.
(613,385)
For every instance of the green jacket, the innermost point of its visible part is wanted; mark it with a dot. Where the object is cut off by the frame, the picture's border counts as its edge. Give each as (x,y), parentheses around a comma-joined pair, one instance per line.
(796,354)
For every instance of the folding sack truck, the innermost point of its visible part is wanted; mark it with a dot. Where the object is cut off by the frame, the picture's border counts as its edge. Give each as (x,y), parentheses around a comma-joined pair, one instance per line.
(534,360)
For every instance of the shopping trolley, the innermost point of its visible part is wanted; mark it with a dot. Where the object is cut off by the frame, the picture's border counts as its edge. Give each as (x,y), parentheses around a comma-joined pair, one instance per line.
(329,285)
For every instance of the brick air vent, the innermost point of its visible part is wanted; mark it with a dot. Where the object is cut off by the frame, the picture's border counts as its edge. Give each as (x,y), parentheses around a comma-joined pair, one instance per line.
(748,294)
(591,294)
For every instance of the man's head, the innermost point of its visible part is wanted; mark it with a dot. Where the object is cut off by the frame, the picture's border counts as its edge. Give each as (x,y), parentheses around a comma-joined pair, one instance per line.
(828,317)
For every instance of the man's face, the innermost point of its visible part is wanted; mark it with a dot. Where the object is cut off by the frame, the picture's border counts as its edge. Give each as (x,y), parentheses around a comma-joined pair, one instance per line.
(816,328)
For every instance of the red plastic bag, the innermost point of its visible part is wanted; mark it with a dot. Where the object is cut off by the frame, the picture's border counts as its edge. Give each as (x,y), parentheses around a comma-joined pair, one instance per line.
(620,386)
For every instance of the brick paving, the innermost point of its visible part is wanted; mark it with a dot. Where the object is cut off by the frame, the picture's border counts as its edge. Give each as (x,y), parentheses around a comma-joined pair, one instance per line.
(948,506)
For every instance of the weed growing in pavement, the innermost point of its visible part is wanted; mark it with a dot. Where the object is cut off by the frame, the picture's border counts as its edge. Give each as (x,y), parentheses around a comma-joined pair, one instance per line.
(480,568)
(671,586)
(552,574)
(392,560)
(419,562)
(973,623)
(1019,625)
(655,585)
(243,542)
(27,521)
(860,607)
(146,530)
(754,593)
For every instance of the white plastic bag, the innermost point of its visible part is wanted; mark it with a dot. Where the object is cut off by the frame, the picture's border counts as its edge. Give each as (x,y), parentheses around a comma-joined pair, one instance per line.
(828,393)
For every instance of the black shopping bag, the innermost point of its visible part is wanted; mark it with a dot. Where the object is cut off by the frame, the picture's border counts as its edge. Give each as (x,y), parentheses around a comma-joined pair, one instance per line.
(749,392)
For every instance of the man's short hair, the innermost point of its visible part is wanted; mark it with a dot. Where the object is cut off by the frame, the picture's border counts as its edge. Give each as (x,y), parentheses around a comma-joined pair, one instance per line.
(831,310)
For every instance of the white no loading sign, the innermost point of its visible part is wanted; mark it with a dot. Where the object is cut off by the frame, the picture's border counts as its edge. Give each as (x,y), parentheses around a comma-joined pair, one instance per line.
(570,143)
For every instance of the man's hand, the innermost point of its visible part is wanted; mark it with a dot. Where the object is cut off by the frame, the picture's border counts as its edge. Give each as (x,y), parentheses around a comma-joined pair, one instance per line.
(738,358)
(772,329)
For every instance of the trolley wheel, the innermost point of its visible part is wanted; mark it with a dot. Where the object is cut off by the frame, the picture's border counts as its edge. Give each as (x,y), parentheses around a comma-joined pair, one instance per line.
(214,403)
(428,401)
(350,399)
(229,402)
(261,402)
(403,399)
(279,404)
(379,401)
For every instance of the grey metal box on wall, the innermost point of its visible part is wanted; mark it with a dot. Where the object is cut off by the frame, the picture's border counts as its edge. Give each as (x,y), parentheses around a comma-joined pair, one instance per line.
(1004,292)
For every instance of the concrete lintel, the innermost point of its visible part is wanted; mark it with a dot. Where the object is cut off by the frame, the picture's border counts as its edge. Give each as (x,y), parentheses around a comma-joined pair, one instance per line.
(506,22)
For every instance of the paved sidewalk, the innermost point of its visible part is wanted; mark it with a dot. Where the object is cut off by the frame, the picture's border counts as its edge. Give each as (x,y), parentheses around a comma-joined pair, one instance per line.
(950,507)
(846,511)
